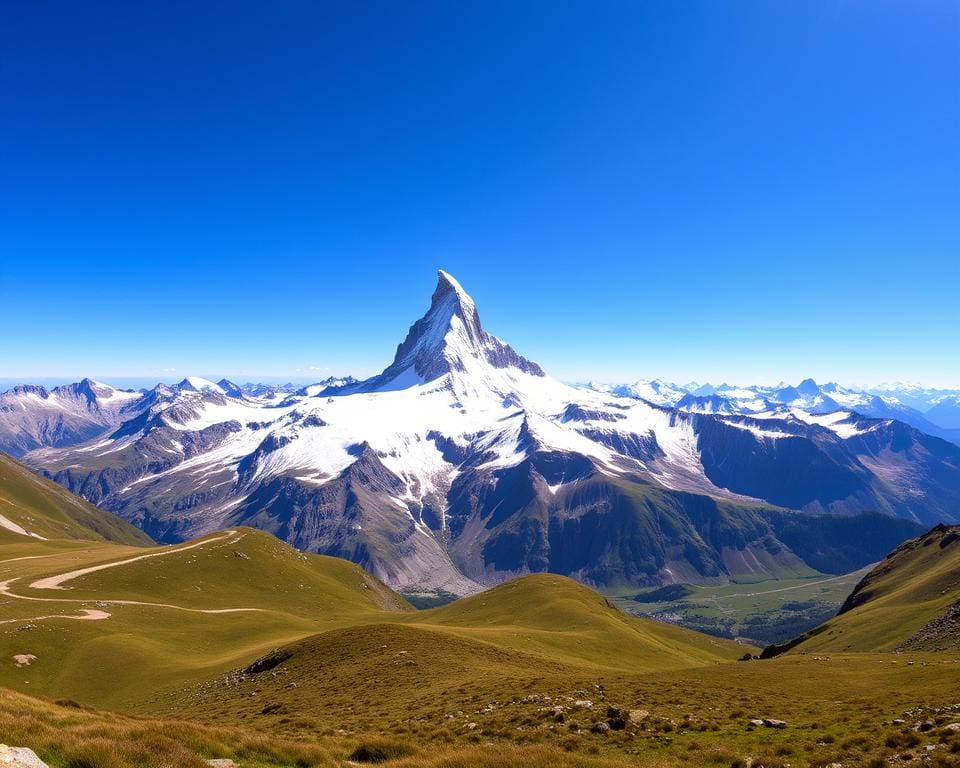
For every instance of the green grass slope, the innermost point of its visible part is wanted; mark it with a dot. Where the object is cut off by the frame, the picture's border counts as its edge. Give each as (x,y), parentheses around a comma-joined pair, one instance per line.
(46,509)
(909,601)
(521,675)
(536,639)
(556,618)
(246,567)
(176,614)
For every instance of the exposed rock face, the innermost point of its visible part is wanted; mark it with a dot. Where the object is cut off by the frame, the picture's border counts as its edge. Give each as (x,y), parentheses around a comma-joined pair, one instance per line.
(938,634)
(449,338)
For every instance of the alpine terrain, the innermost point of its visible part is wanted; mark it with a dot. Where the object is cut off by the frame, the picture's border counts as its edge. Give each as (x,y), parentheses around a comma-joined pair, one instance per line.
(464,464)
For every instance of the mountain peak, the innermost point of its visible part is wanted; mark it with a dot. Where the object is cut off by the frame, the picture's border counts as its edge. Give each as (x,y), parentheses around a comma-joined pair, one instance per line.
(446,281)
(198,384)
(448,338)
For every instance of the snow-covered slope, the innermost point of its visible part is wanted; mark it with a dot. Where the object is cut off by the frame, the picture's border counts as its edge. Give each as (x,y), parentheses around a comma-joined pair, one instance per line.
(807,397)
(463,463)
(913,395)
(31,416)
(654,391)
(946,412)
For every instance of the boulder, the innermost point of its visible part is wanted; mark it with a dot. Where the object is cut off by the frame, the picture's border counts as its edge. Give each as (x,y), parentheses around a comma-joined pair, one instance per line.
(617,718)
(19,757)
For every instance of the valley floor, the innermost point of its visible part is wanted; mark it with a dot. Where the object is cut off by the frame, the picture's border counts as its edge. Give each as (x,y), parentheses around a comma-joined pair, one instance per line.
(758,612)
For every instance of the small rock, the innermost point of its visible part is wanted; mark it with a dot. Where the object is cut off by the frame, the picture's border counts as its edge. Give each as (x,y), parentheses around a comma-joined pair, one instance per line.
(19,757)
(600,728)
(221,762)
(898,721)
(471,726)
(638,715)
(24,659)
(926,725)
(769,723)
(583,703)
(756,723)
(952,727)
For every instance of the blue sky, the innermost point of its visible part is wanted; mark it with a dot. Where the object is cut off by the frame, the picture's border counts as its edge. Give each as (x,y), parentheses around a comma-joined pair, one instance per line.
(741,191)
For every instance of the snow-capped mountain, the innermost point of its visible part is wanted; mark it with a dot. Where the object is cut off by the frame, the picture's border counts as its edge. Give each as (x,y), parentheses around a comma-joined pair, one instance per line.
(464,463)
(257,389)
(654,391)
(325,386)
(946,412)
(916,396)
(197,384)
(806,398)
(32,416)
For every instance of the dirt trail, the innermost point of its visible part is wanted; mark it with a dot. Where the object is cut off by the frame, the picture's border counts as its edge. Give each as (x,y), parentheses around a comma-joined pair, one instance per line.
(87,614)
(55,582)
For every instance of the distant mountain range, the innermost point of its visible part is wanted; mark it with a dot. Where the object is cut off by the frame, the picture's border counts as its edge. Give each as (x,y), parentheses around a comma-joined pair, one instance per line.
(938,412)
(463,464)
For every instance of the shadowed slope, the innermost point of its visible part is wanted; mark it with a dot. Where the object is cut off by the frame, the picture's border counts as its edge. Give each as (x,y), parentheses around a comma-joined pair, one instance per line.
(40,507)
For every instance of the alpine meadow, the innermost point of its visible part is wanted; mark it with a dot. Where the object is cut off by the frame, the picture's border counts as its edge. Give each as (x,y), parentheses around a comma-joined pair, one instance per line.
(480,385)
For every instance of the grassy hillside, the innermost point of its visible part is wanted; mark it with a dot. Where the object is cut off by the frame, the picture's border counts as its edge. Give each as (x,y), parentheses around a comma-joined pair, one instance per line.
(536,636)
(176,615)
(839,709)
(557,618)
(43,508)
(238,646)
(909,601)
(185,614)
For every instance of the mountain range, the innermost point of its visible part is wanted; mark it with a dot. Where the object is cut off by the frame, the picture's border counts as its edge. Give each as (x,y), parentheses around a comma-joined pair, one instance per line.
(463,464)
(936,412)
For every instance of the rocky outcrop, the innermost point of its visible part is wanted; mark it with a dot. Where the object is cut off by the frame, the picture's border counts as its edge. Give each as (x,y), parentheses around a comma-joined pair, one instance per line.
(19,757)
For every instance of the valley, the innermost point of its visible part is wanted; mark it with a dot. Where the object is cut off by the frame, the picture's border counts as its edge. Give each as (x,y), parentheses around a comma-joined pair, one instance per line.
(761,613)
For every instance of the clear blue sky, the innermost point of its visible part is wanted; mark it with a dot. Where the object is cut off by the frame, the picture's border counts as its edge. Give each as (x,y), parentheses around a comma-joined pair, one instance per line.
(695,190)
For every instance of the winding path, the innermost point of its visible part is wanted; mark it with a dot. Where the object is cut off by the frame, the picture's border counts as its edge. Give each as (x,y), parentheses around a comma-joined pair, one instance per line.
(90,614)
